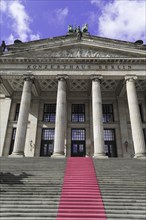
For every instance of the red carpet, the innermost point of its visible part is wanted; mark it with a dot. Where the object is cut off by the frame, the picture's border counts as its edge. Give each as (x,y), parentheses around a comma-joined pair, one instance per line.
(80,198)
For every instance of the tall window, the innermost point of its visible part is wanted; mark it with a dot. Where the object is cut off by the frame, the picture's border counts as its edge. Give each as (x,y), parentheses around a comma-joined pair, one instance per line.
(108,115)
(78,113)
(17,112)
(141,112)
(144,133)
(49,112)
(47,143)
(110,143)
(12,141)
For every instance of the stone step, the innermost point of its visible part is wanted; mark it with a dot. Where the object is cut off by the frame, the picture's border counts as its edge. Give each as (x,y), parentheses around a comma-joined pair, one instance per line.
(69,210)
(46,206)
(35,186)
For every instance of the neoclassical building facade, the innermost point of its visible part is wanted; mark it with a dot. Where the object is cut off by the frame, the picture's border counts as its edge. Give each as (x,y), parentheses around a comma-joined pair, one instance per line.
(66,96)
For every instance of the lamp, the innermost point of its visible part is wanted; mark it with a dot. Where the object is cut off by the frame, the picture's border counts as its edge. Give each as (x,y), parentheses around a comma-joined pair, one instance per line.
(126,145)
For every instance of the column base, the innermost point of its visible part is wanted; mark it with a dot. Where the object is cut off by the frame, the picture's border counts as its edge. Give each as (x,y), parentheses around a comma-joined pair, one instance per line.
(140,156)
(100,156)
(19,155)
(58,155)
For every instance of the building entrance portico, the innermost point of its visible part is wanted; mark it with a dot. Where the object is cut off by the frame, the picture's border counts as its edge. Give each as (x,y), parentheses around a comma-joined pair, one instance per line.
(79,97)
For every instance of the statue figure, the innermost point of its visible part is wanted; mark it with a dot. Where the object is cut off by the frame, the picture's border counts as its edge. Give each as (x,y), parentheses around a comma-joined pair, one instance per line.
(85,28)
(70,29)
(79,33)
(3,46)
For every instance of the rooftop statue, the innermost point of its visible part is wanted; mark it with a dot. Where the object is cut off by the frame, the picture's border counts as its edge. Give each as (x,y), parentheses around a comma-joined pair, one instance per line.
(79,33)
(3,46)
(70,29)
(85,28)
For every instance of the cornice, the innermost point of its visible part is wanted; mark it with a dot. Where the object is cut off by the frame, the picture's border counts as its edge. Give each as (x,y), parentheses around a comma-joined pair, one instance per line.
(116,60)
(71,39)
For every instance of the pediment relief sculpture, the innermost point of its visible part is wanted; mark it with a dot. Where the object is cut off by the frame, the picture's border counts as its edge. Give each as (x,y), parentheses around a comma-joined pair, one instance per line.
(75,53)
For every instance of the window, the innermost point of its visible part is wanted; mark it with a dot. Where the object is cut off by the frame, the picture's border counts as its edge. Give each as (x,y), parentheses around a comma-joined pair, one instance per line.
(141,112)
(78,113)
(110,143)
(17,112)
(108,115)
(47,143)
(78,134)
(144,133)
(109,135)
(49,112)
(12,141)
(48,134)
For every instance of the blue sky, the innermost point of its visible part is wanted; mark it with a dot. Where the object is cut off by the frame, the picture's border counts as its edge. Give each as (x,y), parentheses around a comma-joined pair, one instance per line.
(38,19)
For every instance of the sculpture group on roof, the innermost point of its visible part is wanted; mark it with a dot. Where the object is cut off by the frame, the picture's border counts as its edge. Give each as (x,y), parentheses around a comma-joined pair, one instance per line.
(75,29)
(78,30)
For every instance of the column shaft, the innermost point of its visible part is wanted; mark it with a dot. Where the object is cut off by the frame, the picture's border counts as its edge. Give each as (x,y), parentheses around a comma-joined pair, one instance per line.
(60,123)
(136,125)
(23,118)
(97,118)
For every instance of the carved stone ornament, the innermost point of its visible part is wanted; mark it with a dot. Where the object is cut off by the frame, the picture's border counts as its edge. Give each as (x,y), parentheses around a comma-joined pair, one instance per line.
(76,53)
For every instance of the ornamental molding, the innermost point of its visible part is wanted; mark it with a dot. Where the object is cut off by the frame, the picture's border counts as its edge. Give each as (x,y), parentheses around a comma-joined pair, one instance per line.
(116,60)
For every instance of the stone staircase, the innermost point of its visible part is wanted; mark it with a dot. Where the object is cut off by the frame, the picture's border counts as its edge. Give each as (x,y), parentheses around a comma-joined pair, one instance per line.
(123,187)
(31,188)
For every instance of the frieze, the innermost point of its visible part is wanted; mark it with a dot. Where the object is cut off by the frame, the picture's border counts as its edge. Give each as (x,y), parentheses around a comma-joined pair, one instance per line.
(77,67)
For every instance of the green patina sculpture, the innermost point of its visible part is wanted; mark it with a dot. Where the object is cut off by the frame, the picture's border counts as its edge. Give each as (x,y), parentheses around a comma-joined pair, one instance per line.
(70,29)
(84,29)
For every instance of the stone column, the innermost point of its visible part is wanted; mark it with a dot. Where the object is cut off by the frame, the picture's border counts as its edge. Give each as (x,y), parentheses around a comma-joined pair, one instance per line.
(97,118)
(61,117)
(136,125)
(23,117)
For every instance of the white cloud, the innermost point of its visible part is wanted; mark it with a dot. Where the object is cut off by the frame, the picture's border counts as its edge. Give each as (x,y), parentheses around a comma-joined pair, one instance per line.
(34,37)
(124,20)
(19,20)
(3,6)
(58,16)
(10,39)
(99,3)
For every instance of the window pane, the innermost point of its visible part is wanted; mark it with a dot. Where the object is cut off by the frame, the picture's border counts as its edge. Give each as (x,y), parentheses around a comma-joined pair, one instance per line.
(81,148)
(109,135)
(17,112)
(78,134)
(75,117)
(107,113)
(48,134)
(81,117)
(78,113)
(14,134)
(75,148)
(49,112)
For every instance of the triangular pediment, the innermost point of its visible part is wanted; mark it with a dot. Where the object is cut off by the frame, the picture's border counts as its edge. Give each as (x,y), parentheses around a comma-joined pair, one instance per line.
(70,47)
